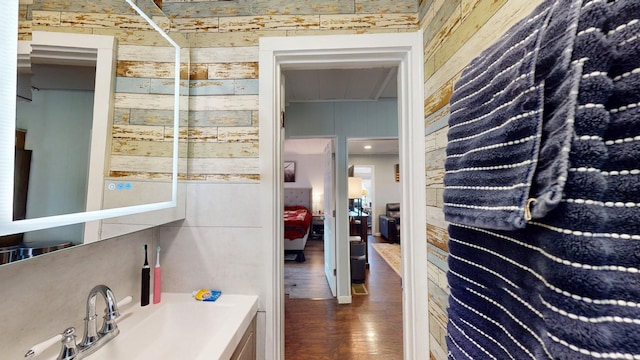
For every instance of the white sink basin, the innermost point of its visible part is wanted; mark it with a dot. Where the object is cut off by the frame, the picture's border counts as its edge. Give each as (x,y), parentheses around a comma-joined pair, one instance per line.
(181,328)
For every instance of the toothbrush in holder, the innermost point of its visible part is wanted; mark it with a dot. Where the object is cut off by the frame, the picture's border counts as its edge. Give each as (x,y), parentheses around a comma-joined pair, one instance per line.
(157,280)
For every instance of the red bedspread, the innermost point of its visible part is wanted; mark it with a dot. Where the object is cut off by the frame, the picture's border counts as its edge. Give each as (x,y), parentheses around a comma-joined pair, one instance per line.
(297,220)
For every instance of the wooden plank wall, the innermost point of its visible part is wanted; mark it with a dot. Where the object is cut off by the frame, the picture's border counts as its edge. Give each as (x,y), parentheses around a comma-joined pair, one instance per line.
(24,19)
(223,86)
(142,129)
(455,32)
(223,37)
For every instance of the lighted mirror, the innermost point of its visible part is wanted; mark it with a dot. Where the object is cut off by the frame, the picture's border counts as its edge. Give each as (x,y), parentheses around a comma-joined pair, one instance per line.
(94,140)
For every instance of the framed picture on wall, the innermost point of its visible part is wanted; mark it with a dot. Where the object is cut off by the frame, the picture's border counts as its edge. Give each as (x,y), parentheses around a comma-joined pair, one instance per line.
(289,171)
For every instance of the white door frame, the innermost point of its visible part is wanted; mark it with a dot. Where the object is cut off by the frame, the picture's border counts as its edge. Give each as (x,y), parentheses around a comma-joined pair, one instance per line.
(403,50)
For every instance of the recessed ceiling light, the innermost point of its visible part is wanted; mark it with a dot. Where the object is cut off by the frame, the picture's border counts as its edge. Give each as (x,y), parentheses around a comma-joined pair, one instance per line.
(367,147)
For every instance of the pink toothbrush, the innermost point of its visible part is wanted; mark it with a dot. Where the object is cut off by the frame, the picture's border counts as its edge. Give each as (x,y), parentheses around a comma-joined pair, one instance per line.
(157,278)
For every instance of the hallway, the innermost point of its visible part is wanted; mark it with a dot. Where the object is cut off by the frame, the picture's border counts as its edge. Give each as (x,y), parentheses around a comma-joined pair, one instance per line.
(368,328)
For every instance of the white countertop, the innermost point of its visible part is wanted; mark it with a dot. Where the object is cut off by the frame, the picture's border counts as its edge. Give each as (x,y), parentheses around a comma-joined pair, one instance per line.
(180,327)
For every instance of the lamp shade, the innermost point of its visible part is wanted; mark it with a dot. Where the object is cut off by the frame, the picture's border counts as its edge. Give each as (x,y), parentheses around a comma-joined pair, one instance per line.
(355,187)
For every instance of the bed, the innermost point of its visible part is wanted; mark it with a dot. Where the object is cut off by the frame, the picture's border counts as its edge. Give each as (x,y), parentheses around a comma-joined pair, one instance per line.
(297,221)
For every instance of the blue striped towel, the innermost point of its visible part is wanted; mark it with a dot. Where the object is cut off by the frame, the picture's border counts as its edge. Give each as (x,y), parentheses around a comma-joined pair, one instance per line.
(511,123)
(567,286)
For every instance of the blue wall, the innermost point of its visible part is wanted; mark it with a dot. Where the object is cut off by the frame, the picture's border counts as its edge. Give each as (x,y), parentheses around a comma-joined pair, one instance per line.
(58,124)
(357,119)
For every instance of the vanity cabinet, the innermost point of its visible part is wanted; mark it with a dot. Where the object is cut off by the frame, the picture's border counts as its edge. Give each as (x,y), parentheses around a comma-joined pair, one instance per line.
(246,349)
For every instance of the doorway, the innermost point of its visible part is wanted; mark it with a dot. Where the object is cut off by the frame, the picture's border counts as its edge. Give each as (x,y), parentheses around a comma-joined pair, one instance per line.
(312,278)
(374,161)
(403,50)
(366,201)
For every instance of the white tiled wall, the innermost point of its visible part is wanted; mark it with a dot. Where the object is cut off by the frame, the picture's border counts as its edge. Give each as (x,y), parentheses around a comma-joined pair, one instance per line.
(220,245)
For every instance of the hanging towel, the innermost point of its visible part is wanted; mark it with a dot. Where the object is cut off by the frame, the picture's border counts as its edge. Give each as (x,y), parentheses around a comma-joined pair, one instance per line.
(511,122)
(567,286)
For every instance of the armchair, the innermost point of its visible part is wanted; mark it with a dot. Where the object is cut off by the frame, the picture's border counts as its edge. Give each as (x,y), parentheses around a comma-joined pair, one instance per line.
(390,223)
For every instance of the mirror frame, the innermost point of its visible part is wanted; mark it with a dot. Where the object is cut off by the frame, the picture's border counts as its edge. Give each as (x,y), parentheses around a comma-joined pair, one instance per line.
(9,49)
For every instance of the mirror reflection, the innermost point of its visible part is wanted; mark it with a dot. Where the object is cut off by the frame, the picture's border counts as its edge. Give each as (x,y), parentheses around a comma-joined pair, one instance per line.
(94,124)
(54,121)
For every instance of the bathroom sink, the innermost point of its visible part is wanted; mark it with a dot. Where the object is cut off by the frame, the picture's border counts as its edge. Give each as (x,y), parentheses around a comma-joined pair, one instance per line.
(180,328)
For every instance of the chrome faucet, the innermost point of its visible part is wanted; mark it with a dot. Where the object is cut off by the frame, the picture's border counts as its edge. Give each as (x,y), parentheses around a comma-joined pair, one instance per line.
(93,338)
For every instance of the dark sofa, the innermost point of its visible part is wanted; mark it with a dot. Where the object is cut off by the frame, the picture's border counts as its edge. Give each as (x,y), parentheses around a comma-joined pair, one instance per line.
(390,223)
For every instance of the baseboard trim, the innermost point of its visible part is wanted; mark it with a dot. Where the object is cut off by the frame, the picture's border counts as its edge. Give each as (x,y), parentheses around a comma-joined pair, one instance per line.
(344,299)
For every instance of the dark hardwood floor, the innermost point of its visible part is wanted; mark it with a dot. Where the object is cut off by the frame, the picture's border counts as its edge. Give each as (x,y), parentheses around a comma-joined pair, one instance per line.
(368,328)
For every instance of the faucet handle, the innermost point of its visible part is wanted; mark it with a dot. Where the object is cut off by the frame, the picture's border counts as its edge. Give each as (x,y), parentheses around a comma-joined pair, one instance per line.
(69,349)
(68,340)
(124,301)
(111,313)
(110,316)
(39,348)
